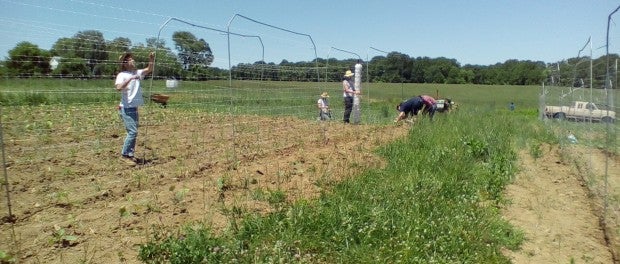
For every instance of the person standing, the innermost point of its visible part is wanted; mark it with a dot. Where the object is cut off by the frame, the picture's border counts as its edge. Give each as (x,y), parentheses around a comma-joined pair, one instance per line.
(323,105)
(128,84)
(348,91)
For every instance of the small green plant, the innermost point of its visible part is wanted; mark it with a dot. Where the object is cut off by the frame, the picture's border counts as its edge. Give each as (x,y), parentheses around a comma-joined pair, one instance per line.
(61,198)
(277,197)
(153,207)
(6,258)
(536,150)
(60,238)
(179,196)
(122,212)
(139,177)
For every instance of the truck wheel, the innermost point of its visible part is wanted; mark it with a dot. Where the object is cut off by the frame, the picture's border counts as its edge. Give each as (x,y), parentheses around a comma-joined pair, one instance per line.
(607,119)
(559,115)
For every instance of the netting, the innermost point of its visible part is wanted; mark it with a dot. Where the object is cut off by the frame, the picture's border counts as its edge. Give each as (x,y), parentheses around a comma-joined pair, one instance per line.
(202,132)
(577,103)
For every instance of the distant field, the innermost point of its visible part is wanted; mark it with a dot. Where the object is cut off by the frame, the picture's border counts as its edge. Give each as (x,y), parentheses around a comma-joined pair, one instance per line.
(266,98)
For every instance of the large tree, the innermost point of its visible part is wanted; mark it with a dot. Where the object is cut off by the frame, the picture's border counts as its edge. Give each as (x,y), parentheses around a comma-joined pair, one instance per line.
(84,48)
(192,52)
(26,59)
(91,46)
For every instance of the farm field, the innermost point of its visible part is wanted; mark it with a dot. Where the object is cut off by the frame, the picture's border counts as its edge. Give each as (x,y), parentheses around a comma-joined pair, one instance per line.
(215,156)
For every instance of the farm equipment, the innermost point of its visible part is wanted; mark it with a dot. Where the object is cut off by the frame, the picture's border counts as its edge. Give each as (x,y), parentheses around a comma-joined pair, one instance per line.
(161,99)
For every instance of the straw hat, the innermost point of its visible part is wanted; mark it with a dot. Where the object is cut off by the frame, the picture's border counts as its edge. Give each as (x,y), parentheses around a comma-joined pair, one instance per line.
(324,95)
(348,74)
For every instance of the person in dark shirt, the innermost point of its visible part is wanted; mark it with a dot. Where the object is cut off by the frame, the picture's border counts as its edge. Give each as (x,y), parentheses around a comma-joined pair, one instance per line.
(413,106)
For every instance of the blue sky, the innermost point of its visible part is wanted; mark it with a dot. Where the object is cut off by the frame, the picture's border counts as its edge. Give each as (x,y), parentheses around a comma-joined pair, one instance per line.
(482,32)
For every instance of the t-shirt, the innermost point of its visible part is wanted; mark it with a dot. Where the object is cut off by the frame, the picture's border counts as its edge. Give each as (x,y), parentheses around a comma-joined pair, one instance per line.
(351,86)
(132,96)
(413,105)
(323,104)
(428,101)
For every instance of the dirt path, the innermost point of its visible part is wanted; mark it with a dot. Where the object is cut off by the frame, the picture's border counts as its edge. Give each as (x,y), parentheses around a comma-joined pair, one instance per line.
(552,205)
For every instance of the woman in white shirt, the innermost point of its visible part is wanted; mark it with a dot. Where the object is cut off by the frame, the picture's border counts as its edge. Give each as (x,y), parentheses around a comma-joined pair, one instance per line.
(128,84)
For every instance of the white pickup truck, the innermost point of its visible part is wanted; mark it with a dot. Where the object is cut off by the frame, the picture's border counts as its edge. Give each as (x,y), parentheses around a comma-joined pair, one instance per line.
(580,111)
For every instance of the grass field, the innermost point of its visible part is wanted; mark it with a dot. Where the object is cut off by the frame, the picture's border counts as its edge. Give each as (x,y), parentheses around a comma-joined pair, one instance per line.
(434,199)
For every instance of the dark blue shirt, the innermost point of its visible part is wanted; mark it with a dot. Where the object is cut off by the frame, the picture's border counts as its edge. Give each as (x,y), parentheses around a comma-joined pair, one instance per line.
(413,105)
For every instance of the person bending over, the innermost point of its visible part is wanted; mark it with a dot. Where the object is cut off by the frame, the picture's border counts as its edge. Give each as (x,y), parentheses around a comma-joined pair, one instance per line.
(408,108)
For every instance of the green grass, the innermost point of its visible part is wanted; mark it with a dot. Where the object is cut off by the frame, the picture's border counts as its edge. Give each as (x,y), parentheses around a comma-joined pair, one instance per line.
(436,202)
(263,98)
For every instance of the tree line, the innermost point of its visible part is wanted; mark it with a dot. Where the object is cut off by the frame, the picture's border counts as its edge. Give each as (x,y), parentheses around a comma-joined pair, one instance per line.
(88,55)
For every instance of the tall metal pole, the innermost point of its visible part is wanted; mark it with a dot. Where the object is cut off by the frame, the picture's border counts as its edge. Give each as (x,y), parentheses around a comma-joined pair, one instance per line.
(610,105)
(6,174)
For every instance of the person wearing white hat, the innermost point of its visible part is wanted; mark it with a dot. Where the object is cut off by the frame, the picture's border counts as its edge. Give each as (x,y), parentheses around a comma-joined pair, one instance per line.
(348,91)
(323,105)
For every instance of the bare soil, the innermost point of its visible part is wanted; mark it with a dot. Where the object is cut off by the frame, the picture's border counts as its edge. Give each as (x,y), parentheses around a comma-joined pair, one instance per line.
(554,204)
(75,201)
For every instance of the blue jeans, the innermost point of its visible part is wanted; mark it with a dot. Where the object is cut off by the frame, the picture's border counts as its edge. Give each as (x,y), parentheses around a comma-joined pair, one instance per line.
(130,119)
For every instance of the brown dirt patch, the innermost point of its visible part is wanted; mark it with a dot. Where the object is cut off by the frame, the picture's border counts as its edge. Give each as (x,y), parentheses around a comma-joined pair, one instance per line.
(69,184)
(554,206)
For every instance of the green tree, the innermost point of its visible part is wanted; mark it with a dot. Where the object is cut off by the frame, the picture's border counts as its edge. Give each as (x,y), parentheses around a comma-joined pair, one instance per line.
(64,47)
(399,67)
(26,59)
(115,49)
(192,52)
(166,63)
(69,63)
(91,46)
(72,67)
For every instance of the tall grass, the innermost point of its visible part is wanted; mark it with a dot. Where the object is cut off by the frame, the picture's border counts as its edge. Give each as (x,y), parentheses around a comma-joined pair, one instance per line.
(436,202)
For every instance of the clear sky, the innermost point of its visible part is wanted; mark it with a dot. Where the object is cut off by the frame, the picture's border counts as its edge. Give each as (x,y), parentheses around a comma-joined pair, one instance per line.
(481,32)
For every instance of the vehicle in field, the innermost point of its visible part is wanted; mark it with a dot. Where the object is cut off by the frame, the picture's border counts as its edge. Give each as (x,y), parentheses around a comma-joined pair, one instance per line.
(580,111)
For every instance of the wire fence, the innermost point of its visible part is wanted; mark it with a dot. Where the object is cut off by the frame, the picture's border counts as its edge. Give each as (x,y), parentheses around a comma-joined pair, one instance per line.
(61,140)
(579,106)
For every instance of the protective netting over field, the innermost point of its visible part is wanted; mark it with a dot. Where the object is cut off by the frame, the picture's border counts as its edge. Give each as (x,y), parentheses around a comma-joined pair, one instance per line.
(212,144)
(578,102)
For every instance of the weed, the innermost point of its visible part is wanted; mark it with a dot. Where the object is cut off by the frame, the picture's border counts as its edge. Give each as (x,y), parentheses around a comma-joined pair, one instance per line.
(153,207)
(277,197)
(536,150)
(122,213)
(61,198)
(179,196)
(6,258)
(61,239)
(139,177)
